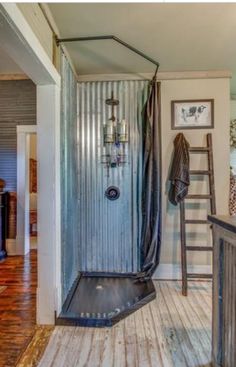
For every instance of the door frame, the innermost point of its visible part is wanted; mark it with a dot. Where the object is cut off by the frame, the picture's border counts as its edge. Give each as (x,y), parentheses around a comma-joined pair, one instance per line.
(22,45)
(22,230)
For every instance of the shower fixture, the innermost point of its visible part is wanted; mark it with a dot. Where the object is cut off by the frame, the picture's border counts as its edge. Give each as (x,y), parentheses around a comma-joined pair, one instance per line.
(112,193)
(122,132)
(110,126)
(109,132)
(115,136)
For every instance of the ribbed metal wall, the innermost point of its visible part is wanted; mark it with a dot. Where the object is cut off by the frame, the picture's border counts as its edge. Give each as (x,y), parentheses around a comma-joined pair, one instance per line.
(109,231)
(69,178)
(17,107)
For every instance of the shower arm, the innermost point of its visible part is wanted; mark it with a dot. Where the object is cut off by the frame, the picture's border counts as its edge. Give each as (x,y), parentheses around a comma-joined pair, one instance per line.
(110,37)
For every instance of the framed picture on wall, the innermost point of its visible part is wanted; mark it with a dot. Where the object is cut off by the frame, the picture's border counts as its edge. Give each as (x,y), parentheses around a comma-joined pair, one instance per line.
(192,114)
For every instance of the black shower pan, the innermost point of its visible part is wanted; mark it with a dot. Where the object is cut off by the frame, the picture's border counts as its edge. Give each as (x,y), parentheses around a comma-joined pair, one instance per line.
(101,300)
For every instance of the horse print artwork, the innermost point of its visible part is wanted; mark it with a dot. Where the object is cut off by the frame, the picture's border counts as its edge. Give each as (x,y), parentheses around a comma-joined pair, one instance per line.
(192,114)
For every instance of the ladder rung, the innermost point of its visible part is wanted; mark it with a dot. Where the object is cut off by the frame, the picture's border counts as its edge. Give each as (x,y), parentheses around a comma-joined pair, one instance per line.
(201,275)
(199,172)
(199,196)
(196,221)
(198,149)
(199,248)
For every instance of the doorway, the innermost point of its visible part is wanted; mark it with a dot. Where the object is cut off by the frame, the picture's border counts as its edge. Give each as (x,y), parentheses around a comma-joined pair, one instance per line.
(20,42)
(27,192)
(32,225)
(18,280)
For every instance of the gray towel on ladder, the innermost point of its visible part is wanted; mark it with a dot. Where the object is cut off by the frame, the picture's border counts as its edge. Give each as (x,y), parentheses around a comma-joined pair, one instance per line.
(179,172)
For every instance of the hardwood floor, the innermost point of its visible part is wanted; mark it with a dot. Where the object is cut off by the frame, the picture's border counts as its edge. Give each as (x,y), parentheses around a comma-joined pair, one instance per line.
(171,331)
(17,306)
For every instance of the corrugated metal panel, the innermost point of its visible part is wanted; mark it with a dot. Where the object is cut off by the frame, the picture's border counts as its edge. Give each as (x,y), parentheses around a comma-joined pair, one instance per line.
(17,107)
(69,178)
(109,231)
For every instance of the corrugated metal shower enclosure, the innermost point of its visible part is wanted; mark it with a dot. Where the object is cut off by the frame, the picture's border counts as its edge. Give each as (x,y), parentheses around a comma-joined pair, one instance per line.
(109,231)
(69,184)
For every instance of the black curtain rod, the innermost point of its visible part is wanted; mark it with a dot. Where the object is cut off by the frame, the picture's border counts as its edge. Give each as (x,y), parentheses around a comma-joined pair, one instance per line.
(114,38)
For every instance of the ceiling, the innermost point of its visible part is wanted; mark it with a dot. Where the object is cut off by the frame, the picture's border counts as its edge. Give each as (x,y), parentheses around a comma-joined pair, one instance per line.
(7,65)
(182,37)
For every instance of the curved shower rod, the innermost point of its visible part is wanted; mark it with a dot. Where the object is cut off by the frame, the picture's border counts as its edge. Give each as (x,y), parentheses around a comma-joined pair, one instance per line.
(110,37)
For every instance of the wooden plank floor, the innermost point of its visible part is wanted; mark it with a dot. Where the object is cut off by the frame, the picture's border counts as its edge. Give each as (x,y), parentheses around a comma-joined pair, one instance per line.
(36,347)
(17,306)
(171,331)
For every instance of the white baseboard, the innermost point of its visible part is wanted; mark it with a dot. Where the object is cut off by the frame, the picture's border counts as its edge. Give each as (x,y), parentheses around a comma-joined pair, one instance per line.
(11,246)
(173,271)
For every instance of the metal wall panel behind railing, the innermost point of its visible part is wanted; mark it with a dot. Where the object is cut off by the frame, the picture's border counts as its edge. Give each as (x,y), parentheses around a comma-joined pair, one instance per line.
(109,231)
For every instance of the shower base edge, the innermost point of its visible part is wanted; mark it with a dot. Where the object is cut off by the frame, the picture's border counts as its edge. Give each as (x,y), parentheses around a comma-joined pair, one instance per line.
(102,300)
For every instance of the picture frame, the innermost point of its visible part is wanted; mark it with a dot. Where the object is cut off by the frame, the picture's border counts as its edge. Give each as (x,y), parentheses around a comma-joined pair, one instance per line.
(192,114)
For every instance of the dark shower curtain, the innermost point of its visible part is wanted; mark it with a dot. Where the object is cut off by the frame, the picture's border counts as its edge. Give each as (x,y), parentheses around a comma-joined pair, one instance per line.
(151,185)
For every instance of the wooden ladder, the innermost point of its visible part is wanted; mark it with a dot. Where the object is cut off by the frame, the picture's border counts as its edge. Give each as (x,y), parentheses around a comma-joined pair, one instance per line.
(183,221)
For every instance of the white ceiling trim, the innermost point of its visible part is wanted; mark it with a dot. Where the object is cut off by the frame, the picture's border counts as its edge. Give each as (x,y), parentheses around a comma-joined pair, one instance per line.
(173,75)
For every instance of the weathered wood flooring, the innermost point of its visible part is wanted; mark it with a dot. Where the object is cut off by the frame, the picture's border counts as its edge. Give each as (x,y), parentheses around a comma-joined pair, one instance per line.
(35,349)
(17,306)
(172,331)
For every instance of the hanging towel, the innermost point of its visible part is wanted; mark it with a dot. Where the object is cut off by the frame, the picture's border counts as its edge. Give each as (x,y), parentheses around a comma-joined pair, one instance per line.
(179,173)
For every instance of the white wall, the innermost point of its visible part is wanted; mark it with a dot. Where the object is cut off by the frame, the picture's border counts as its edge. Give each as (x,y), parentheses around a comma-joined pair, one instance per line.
(195,89)
(49,206)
